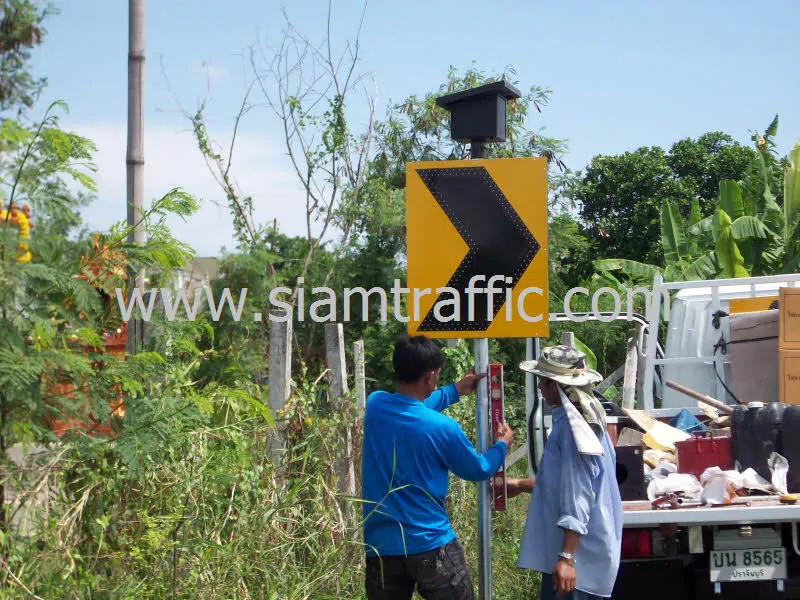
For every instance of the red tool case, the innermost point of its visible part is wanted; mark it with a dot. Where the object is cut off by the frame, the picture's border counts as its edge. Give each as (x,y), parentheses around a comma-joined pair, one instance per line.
(698,453)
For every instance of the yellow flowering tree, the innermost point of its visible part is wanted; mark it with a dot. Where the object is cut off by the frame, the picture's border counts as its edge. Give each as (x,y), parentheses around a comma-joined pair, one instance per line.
(22,221)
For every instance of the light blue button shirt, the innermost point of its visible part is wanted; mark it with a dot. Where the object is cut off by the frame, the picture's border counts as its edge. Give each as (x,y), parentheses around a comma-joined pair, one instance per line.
(577,492)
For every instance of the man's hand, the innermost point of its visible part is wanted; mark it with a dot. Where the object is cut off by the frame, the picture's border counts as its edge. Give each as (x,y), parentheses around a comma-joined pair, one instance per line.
(515,487)
(563,577)
(564,570)
(469,382)
(504,433)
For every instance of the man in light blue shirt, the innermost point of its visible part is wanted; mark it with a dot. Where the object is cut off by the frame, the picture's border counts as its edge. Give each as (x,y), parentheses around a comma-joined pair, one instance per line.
(573,532)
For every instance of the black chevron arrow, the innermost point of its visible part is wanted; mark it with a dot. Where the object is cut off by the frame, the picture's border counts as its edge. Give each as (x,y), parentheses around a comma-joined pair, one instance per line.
(499,242)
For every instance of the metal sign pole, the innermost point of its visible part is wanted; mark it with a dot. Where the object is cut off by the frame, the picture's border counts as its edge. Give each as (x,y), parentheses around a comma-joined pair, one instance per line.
(478,150)
(484,496)
(534,410)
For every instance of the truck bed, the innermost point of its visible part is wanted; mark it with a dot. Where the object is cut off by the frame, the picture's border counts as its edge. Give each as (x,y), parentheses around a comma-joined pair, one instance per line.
(767,509)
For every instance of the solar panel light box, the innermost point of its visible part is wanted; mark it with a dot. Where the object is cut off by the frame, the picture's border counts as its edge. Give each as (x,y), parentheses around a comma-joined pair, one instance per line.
(479,113)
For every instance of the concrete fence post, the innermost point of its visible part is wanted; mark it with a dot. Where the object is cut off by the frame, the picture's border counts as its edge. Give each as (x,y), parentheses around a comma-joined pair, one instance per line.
(280,375)
(360,376)
(337,379)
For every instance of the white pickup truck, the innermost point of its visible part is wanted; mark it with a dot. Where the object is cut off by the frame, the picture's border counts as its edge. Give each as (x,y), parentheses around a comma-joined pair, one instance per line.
(733,551)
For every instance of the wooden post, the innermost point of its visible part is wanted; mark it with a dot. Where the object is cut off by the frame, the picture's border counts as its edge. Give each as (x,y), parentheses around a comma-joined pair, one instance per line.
(568,339)
(334,355)
(280,374)
(135,153)
(642,363)
(629,383)
(360,376)
(337,378)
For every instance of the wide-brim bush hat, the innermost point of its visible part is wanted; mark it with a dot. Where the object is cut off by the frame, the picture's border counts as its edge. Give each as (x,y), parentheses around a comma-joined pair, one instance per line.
(563,364)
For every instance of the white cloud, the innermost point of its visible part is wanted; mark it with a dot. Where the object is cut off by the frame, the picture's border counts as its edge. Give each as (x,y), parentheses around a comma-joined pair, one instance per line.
(260,169)
(210,71)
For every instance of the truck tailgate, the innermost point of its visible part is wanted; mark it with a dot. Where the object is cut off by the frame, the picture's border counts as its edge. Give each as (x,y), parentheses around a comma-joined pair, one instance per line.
(767,510)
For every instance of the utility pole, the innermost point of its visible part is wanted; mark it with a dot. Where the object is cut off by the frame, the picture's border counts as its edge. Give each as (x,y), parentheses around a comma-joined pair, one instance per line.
(135,152)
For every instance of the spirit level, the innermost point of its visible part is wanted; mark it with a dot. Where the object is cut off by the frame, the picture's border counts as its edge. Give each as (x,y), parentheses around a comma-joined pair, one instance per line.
(496,398)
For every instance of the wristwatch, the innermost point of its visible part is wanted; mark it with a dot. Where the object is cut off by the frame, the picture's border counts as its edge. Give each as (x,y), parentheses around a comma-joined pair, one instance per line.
(570,558)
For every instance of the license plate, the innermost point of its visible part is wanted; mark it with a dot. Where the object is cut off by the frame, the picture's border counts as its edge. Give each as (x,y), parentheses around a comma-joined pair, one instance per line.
(748,565)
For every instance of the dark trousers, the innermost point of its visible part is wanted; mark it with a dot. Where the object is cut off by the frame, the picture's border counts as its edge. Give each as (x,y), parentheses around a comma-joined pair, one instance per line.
(439,574)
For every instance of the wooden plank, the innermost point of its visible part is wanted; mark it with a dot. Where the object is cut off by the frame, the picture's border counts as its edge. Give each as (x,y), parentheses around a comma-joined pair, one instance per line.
(610,380)
(658,435)
(521,452)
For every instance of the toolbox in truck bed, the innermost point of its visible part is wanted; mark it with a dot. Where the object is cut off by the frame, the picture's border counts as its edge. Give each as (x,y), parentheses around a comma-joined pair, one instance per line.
(697,454)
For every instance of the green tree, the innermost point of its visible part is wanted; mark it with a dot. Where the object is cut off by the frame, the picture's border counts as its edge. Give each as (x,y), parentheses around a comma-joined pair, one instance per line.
(20,32)
(54,309)
(620,197)
(747,232)
(704,162)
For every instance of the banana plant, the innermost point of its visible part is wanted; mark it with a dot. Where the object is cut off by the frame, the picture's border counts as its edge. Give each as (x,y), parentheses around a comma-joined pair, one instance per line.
(683,259)
(791,211)
(748,232)
(742,242)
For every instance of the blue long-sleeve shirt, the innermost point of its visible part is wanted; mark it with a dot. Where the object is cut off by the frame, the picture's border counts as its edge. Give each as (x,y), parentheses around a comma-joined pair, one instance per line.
(580,493)
(409,448)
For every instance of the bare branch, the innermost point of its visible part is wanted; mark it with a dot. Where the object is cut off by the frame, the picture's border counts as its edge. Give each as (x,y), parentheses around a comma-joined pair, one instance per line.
(308,87)
(218,166)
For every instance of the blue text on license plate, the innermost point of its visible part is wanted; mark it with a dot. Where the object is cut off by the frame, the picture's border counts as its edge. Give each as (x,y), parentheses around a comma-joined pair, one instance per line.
(748,565)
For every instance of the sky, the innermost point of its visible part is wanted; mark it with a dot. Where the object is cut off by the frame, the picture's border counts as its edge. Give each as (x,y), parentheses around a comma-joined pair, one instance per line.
(623,74)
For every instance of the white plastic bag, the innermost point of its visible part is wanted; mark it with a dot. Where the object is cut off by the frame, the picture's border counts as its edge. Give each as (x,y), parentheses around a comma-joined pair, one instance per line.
(779,467)
(720,487)
(753,481)
(664,470)
(674,483)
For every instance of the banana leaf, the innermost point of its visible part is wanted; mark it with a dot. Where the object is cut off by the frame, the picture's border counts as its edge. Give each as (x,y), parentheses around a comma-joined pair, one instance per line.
(673,235)
(772,130)
(727,252)
(772,214)
(695,216)
(606,279)
(748,226)
(591,359)
(705,267)
(791,250)
(633,269)
(730,198)
(701,227)
(791,192)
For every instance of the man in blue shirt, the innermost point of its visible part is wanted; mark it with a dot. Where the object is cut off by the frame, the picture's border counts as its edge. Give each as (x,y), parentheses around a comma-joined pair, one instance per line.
(573,533)
(409,450)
